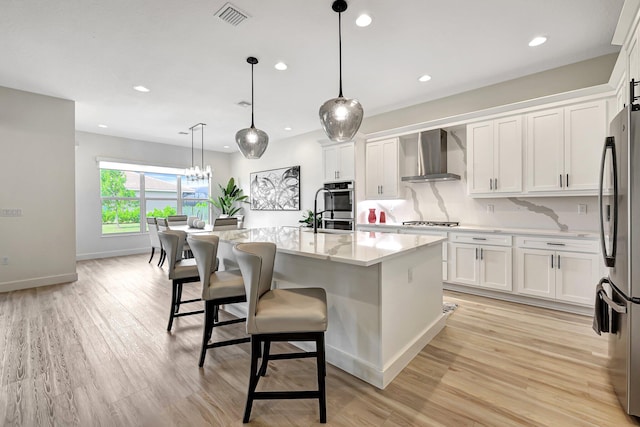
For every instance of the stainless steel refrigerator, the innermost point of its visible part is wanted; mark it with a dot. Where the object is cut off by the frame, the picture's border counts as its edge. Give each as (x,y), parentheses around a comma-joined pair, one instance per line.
(620,236)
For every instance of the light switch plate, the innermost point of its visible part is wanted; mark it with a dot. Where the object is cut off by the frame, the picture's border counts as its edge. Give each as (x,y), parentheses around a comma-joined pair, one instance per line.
(489,208)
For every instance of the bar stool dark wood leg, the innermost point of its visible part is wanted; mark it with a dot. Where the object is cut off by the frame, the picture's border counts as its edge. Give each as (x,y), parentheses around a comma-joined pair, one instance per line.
(253,377)
(265,358)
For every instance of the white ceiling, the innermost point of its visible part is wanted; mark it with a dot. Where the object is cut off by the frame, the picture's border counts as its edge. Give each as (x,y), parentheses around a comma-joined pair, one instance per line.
(95,51)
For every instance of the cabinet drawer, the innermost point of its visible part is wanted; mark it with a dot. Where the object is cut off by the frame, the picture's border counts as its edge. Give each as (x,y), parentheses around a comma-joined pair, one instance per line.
(558,244)
(481,239)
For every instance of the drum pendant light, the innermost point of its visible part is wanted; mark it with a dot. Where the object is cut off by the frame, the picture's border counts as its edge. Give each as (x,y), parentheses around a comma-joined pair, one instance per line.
(251,141)
(341,117)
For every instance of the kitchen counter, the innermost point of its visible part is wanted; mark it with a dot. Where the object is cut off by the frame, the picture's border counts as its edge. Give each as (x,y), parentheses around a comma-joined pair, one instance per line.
(384,291)
(391,227)
(358,248)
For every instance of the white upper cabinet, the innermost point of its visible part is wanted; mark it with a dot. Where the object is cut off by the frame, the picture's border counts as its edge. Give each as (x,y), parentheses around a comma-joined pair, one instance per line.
(564,146)
(545,150)
(585,130)
(494,153)
(339,161)
(382,169)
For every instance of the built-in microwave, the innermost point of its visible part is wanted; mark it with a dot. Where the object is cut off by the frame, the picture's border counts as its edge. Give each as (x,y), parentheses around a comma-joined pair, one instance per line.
(342,203)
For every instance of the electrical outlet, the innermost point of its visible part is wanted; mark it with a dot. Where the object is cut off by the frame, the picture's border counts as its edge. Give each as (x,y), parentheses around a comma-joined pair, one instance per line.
(489,208)
(4,260)
(582,209)
(10,212)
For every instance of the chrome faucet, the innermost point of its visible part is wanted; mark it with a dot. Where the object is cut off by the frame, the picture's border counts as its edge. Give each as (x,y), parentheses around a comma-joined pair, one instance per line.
(315,208)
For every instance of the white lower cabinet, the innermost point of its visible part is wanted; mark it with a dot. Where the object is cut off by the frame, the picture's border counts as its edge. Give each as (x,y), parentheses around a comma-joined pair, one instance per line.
(563,275)
(482,265)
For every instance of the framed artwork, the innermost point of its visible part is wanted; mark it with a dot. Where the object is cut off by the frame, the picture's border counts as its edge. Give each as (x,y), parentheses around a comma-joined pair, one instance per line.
(276,189)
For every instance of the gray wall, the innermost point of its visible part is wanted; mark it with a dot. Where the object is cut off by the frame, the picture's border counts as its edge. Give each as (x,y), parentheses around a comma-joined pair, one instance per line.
(568,78)
(37,176)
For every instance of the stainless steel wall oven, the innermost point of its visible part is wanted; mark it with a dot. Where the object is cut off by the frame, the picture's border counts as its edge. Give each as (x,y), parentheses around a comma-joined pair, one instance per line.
(343,205)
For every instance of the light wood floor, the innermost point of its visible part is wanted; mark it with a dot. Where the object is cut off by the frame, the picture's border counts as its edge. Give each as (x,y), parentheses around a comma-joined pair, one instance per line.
(96,352)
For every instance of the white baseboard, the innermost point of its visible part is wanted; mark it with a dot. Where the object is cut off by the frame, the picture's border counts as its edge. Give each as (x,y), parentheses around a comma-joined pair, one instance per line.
(110,254)
(522,299)
(38,281)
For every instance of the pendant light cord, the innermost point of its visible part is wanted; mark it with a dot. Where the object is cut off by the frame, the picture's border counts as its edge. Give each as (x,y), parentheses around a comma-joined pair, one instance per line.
(202,142)
(191,147)
(340,48)
(252,125)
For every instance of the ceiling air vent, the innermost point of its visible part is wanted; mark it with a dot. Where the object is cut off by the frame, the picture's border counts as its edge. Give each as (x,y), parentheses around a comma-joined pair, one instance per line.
(231,14)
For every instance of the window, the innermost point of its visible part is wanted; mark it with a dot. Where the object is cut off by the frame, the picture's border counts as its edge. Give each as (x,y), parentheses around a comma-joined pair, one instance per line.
(130,193)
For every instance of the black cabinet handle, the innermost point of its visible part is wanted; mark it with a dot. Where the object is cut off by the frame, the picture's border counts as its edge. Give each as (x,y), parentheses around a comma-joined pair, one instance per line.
(551,261)
(555,244)
(558,262)
(567,181)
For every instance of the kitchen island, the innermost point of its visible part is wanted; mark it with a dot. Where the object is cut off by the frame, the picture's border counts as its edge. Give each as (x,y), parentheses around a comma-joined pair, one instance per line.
(384,291)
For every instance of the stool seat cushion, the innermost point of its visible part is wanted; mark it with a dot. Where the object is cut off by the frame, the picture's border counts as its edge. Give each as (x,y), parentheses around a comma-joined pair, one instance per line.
(224,284)
(184,268)
(291,310)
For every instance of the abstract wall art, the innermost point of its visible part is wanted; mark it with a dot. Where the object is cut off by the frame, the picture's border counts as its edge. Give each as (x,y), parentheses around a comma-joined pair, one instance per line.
(276,189)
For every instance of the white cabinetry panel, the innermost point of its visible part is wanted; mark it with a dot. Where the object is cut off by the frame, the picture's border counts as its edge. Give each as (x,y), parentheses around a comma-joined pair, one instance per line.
(564,147)
(339,161)
(495,156)
(545,150)
(382,170)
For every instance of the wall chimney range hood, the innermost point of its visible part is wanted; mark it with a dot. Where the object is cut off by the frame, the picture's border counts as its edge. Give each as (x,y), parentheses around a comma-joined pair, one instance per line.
(432,158)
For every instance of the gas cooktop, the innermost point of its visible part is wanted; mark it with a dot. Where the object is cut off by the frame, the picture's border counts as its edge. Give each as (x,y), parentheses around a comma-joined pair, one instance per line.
(432,223)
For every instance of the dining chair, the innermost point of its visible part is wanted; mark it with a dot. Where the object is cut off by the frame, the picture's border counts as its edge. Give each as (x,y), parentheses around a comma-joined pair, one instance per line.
(155,240)
(177,220)
(230,223)
(218,288)
(274,315)
(180,271)
(163,224)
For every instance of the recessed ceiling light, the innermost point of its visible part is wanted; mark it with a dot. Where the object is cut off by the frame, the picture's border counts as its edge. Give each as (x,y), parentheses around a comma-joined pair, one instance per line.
(244,104)
(183,133)
(424,78)
(225,146)
(363,20)
(141,89)
(287,128)
(537,41)
(281,66)
(103,126)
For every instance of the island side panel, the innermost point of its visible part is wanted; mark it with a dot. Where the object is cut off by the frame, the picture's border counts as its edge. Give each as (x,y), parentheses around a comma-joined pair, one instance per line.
(353,305)
(411,304)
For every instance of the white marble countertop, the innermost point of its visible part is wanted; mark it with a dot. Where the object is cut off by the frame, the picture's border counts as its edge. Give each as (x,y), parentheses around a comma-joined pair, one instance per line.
(485,229)
(358,248)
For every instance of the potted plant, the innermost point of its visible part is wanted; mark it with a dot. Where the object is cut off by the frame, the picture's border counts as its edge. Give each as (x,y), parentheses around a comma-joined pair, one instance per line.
(307,218)
(226,202)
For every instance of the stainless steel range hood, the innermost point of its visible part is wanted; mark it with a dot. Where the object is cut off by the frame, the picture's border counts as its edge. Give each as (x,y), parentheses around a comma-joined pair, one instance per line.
(432,158)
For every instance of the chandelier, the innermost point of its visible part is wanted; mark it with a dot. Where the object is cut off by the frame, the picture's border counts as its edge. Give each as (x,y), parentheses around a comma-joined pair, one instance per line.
(198,173)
